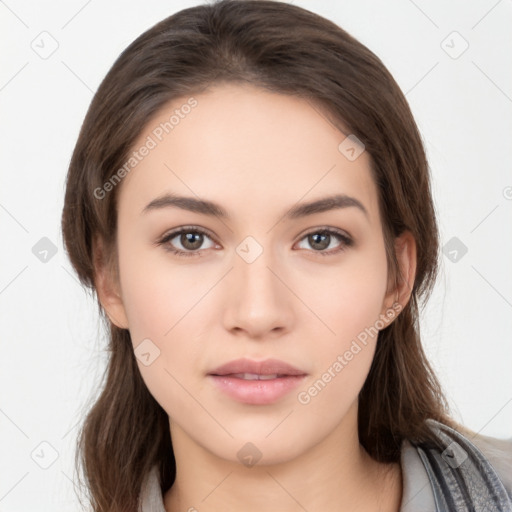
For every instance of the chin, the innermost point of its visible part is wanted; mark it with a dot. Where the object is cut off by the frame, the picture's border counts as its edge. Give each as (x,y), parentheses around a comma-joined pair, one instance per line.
(259,448)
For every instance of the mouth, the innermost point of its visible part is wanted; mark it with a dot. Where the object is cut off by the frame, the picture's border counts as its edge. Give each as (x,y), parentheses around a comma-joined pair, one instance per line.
(256,383)
(253,376)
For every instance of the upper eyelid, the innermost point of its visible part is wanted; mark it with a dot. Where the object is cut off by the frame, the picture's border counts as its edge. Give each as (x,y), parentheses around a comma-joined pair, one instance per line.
(186,229)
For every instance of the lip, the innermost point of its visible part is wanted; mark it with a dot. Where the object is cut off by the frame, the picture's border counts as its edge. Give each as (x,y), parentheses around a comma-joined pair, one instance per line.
(266,367)
(256,392)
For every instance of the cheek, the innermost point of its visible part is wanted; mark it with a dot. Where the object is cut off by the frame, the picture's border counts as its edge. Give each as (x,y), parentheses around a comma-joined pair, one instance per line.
(349,302)
(349,297)
(164,310)
(158,295)
(166,316)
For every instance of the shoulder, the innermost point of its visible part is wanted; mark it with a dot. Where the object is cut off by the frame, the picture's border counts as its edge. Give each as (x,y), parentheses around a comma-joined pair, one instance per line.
(499,454)
(431,477)
(468,468)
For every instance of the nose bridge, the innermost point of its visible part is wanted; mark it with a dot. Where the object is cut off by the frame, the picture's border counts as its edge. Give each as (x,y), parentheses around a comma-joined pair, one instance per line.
(258,299)
(252,268)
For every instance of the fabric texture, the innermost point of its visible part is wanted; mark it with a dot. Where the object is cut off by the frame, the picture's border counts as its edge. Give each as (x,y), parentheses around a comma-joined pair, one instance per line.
(462,478)
(467,475)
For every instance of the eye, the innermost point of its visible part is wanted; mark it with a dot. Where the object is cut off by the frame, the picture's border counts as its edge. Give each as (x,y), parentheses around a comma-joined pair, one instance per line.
(190,238)
(321,240)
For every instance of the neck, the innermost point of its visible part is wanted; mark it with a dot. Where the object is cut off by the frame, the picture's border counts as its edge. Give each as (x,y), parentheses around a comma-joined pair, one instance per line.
(337,474)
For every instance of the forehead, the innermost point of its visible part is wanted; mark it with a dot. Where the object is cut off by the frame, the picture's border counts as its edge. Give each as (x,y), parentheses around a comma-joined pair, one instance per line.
(248,148)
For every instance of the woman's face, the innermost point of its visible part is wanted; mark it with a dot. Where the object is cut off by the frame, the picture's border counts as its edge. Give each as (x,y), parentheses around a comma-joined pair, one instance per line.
(262,282)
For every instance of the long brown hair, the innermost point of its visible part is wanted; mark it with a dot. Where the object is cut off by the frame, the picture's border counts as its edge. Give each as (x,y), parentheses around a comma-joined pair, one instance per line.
(289,50)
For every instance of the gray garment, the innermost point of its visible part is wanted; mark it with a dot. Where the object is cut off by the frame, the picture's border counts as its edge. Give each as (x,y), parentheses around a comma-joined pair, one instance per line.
(467,476)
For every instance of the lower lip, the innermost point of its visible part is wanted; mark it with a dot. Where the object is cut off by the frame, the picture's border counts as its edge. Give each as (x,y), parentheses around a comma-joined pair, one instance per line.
(257,392)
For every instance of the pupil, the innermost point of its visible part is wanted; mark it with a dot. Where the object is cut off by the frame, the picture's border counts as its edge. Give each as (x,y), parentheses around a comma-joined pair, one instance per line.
(323,243)
(188,238)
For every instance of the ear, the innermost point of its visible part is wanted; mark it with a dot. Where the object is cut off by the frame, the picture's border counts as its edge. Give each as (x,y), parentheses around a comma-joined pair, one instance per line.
(400,285)
(108,287)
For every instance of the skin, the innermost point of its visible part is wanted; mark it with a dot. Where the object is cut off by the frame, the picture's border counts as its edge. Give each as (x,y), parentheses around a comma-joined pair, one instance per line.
(257,154)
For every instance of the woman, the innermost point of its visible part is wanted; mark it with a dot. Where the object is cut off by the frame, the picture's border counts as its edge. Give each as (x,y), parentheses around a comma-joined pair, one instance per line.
(250,199)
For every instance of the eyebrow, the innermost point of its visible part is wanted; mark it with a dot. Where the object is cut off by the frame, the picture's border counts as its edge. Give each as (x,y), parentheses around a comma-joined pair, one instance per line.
(205,207)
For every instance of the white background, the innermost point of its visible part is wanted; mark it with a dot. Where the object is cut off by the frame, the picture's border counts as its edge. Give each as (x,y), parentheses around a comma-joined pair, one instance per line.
(51,338)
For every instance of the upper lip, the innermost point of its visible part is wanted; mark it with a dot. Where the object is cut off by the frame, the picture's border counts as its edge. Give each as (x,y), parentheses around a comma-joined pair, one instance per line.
(266,367)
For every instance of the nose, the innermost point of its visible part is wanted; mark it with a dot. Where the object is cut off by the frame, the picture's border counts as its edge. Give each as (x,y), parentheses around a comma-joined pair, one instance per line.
(259,303)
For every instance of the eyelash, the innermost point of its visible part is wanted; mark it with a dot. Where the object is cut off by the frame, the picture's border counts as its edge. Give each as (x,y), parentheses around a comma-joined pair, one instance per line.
(346,240)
